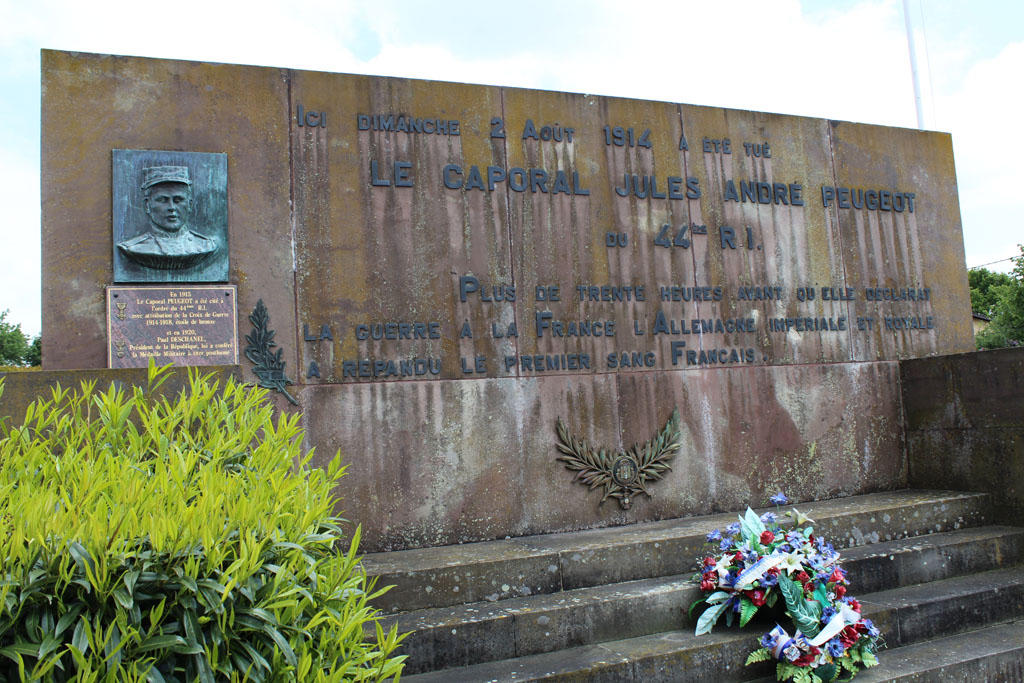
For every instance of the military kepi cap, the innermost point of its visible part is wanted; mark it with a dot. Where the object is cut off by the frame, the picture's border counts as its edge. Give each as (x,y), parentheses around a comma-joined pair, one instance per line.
(164,174)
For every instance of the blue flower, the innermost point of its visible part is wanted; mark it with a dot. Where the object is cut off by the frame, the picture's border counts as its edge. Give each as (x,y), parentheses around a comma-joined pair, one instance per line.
(769,518)
(779,499)
(827,613)
(715,535)
(768,640)
(733,529)
(770,579)
(872,631)
(835,647)
(725,544)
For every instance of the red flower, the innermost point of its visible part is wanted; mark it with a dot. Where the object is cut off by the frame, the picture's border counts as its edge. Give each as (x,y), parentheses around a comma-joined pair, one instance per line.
(774,571)
(840,591)
(837,576)
(767,537)
(802,576)
(854,604)
(808,657)
(756,596)
(738,557)
(849,636)
(707,585)
(709,562)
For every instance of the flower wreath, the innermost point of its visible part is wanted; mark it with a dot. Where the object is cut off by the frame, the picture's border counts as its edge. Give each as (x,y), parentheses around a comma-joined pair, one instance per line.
(758,562)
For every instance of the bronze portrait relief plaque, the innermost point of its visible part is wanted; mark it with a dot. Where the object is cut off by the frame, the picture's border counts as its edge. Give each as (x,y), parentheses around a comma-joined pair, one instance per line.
(170,218)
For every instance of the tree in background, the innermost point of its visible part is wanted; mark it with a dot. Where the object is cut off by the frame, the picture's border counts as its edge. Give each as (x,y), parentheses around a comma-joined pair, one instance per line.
(15,346)
(1004,297)
(35,352)
(983,296)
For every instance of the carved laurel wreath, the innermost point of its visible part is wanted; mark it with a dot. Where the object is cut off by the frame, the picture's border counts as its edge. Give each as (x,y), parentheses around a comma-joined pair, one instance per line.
(268,366)
(625,474)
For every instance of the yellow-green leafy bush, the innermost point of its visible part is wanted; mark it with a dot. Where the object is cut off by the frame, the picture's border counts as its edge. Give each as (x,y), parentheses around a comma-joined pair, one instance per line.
(146,538)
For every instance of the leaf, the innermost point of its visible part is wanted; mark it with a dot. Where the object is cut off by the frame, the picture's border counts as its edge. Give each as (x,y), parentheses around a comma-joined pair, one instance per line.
(821,594)
(751,526)
(747,610)
(708,618)
(827,672)
(802,613)
(593,468)
(716,597)
(281,643)
(80,636)
(48,645)
(68,618)
(82,558)
(14,652)
(761,655)
(164,642)
(123,598)
(868,658)
(154,675)
(255,656)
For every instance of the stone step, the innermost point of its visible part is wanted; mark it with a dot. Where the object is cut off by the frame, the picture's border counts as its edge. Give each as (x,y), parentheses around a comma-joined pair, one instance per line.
(994,653)
(906,616)
(919,559)
(523,566)
(479,632)
(930,610)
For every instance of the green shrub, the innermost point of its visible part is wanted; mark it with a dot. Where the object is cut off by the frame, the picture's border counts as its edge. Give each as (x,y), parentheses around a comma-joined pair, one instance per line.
(148,538)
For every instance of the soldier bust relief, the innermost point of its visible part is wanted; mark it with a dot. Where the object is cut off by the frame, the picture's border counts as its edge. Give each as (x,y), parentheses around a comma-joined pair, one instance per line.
(169,244)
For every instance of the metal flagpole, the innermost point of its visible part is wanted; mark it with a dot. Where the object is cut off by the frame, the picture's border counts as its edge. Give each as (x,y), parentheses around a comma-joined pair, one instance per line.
(913,65)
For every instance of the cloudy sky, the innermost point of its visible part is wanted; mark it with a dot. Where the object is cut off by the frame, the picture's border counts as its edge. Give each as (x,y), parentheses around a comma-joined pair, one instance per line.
(840,59)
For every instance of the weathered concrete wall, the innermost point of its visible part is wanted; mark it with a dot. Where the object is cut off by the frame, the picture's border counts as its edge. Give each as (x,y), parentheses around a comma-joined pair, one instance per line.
(772,318)
(965,425)
(447,462)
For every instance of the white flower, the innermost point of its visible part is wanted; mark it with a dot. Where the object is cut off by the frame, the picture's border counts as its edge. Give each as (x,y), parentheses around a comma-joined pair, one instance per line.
(799,517)
(791,563)
(722,566)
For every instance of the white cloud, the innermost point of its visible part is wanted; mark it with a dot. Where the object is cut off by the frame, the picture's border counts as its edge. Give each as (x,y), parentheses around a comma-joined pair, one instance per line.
(750,55)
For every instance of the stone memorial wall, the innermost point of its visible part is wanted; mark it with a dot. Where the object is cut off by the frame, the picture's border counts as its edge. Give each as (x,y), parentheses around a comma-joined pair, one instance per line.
(449,269)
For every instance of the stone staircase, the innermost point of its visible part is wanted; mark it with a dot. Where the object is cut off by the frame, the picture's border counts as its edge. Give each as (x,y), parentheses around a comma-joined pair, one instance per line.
(945,587)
